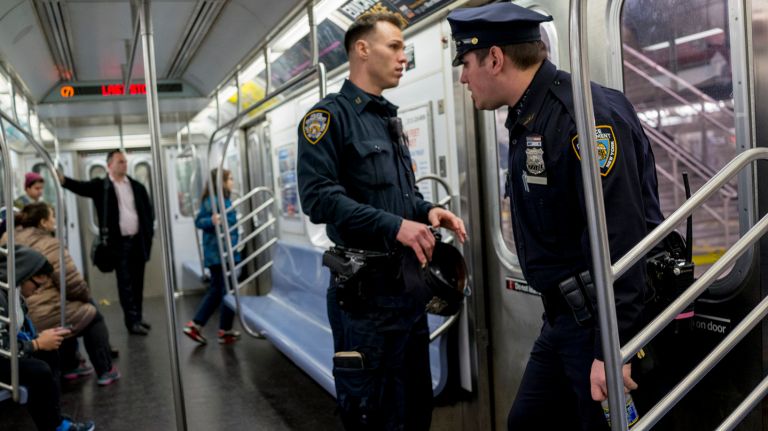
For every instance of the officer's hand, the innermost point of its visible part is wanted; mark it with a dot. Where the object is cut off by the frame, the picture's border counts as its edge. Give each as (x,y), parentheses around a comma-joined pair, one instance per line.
(597,383)
(439,217)
(61,176)
(418,237)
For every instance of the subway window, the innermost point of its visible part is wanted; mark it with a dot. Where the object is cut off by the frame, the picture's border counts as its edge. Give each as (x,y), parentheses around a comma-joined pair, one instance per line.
(678,75)
(143,174)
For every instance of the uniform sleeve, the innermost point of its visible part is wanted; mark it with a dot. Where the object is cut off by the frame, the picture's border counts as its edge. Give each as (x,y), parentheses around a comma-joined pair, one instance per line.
(323,198)
(422,207)
(625,218)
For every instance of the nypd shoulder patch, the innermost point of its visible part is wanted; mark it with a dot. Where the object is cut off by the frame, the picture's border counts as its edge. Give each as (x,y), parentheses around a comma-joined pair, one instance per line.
(607,148)
(315,124)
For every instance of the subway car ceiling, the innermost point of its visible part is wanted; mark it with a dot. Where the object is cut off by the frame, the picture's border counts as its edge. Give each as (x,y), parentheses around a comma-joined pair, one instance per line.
(69,58)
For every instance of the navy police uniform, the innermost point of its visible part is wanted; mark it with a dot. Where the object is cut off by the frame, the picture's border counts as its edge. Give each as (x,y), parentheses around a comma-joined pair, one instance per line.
(549,220)
(355,175)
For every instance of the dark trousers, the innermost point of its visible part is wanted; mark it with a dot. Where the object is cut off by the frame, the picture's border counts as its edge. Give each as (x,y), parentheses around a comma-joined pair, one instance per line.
(96,340)
(212,300)
(394,389)
(40,375)
(554,392)
(129,270)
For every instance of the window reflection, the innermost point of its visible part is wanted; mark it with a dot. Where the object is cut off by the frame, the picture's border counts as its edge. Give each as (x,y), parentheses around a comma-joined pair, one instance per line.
(186,169)
(677,74)
(143,174)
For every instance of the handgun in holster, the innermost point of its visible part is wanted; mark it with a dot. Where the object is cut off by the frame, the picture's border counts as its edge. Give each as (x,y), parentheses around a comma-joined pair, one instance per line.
(578,292)
(346,267)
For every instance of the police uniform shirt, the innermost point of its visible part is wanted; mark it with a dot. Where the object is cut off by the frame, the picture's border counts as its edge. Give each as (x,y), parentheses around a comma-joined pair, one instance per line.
(544,184)
(353,175)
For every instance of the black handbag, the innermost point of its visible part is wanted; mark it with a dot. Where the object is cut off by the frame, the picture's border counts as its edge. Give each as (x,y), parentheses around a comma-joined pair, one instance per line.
(101,254)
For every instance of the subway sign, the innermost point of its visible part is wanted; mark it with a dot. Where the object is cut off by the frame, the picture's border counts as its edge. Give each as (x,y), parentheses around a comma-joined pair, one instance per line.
(110,90)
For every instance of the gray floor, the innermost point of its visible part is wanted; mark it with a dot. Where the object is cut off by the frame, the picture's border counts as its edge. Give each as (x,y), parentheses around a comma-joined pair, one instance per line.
(247,386)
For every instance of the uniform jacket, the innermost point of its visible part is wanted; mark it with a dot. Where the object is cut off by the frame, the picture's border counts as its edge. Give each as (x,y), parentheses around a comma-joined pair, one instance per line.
(211,255)
(354,174)
(545,187)
(44,304)
(94,189)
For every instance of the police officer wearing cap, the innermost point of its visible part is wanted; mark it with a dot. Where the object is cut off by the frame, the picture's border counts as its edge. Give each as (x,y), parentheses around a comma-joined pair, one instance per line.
(505,63)
(355,175)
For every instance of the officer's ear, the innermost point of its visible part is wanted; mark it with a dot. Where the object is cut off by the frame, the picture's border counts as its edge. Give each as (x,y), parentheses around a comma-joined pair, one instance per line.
(362,48)
(496,58)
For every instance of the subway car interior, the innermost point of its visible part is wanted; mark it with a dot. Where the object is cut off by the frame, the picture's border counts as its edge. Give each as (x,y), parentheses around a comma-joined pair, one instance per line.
(183,87)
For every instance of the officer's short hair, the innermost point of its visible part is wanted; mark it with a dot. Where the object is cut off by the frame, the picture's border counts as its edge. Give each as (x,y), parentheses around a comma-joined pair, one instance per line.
(365,24)
(523,55)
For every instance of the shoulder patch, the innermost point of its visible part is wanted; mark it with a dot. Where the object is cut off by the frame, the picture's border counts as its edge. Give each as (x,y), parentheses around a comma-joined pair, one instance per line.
(315,124)
(607,148)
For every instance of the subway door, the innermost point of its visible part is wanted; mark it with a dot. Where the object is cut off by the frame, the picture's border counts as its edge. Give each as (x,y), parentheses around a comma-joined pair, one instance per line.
(36,164)
(104,286)
(184,189)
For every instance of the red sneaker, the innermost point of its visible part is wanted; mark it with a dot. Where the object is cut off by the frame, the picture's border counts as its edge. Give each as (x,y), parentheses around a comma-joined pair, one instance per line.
(192,330)
(228,337)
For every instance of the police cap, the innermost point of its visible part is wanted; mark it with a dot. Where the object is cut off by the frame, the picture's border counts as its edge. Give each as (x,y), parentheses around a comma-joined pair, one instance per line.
(496,24)
(446,278)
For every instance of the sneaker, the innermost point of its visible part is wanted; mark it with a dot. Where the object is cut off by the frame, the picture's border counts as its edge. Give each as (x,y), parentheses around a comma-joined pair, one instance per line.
(109,377)
(228,337)
(81,371)
(192,330)
(68,425)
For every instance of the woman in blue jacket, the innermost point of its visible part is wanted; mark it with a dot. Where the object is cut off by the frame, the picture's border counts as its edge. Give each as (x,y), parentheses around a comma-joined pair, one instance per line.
(206,221)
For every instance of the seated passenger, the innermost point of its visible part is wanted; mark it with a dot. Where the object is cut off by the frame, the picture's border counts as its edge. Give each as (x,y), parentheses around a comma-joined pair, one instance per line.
(38,357)
(206,221)
(33,190)
(37,223)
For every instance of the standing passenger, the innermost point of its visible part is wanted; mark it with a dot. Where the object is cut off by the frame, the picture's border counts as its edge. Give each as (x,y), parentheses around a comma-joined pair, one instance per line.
(354,174)
(505,63)
(206,221)
(130,223)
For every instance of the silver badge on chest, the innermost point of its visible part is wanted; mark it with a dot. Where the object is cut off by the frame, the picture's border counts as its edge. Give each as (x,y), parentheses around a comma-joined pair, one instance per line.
(534,155)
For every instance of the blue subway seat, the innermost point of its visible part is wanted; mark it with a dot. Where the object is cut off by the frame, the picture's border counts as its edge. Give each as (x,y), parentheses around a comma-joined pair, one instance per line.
(293,316)
(6,395)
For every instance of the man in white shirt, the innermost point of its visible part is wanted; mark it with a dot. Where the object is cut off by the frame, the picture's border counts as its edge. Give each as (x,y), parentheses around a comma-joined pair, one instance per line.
(128,217)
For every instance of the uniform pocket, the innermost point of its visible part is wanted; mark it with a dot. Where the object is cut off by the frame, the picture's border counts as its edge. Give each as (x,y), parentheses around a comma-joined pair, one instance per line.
(541,211)
(375,166)
(358,394)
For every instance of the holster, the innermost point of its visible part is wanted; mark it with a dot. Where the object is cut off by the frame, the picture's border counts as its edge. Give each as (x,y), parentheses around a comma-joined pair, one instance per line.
(349,267)
(578,292)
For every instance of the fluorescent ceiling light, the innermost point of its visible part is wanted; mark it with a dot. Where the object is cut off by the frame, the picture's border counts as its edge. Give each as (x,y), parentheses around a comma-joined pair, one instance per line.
(322,10)
(684,39)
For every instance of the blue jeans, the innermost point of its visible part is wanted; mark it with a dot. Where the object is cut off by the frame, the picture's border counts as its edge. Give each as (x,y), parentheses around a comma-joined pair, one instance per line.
(212,300)
(554,392)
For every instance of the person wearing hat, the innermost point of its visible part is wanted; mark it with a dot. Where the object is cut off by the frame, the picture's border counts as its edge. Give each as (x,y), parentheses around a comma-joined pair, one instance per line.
(38,352)
(354,175)
(504,62)
(33,190)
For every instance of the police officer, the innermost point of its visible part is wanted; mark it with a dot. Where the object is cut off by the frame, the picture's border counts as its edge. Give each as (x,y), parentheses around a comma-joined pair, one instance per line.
(355,175)
(505,63)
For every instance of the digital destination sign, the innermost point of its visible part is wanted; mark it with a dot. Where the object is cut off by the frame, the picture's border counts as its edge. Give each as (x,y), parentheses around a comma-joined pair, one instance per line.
(113,90)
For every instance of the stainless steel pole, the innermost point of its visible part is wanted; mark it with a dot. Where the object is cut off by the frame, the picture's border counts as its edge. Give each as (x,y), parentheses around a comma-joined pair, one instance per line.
(153,112)
(13,289)
(598,233)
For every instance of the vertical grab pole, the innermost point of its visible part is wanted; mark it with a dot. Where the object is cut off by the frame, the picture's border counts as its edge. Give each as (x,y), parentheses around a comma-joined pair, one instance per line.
(312,32)
(13,289)
(598,232)
(153,112)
